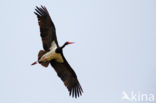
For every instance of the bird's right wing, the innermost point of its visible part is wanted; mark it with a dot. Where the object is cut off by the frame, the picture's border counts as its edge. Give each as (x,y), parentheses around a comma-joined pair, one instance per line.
(68,76)
(47,28)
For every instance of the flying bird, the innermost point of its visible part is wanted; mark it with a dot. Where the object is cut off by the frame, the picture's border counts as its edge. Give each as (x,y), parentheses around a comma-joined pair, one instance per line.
(53,53)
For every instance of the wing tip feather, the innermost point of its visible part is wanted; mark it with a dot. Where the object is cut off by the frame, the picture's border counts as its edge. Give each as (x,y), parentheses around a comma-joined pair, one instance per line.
(41,11)
(76,91)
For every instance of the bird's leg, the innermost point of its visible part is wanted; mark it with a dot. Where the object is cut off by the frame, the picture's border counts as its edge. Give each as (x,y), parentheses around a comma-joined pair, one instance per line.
(34,63)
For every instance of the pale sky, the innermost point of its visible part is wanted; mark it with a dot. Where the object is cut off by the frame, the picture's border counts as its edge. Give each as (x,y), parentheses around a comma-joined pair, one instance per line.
(115,50)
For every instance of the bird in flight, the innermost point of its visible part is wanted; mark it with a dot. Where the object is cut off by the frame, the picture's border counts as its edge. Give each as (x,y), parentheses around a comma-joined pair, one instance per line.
(53,53)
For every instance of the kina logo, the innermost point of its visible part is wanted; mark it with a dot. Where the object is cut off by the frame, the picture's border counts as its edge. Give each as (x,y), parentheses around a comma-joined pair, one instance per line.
(137,96)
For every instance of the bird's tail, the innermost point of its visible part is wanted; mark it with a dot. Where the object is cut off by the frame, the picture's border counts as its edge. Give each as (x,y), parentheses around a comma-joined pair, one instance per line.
(40,54)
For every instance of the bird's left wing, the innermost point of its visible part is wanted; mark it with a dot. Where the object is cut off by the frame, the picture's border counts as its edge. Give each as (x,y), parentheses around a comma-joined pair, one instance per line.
(47,27)
(68,76)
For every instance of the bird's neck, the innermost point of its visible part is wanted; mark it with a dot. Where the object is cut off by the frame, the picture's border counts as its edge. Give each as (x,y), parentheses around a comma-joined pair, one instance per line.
(63,45)
(59,49)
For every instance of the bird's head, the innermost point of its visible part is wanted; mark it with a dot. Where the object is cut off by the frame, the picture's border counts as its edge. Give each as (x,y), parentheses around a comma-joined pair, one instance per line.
(58,50)
(67,43)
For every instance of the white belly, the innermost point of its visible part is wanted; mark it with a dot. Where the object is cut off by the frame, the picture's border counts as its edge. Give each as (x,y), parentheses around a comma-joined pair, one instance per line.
(56,56)
(51,55)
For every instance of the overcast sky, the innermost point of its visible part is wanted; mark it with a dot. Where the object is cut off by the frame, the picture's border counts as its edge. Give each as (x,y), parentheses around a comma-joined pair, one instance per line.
(115,50)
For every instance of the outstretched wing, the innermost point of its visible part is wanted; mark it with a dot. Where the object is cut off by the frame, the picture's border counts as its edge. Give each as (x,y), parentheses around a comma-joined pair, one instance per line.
(47,28)
(68,76)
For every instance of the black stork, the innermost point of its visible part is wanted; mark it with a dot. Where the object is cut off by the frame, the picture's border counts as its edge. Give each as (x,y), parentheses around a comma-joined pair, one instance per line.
(53,53)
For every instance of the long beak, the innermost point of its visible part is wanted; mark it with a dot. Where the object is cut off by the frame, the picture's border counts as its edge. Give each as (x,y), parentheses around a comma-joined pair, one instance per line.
(70,42)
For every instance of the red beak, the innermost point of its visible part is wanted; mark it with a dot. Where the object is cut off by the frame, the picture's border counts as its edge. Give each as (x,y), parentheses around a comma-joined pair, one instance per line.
(70,42)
